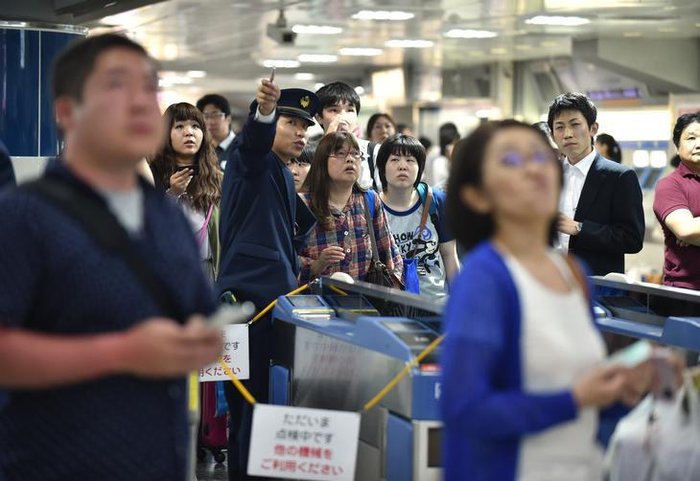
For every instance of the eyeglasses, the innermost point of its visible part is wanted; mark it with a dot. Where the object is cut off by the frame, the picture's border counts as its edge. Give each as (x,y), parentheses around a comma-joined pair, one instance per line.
(353,155)
(516,159)
(214,115)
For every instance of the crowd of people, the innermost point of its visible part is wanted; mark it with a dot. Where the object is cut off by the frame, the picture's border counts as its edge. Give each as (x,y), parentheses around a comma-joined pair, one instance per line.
(107,277)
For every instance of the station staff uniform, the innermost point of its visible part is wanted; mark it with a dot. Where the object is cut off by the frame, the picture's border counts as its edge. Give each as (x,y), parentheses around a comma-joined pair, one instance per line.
(263,222)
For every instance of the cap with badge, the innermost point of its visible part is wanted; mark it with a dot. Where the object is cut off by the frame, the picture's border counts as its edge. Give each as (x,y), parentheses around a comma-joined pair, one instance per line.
(295,103)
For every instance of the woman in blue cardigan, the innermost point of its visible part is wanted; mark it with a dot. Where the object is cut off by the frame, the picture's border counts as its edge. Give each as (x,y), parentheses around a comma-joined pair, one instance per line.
(522,360)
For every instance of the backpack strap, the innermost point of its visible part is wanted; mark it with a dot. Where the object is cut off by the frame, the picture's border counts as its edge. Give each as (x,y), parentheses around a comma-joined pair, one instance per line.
(424,218)
(369,201)
(578,275)
(100,223)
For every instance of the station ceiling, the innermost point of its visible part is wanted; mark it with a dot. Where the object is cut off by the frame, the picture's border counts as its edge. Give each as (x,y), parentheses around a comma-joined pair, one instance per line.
(225,45)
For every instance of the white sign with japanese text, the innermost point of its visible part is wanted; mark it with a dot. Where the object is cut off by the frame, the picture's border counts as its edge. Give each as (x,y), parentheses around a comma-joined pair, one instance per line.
(235,355)
(302,443)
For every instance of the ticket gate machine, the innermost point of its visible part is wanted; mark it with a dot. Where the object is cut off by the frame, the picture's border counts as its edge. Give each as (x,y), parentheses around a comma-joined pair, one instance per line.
(337,346)
(662,314)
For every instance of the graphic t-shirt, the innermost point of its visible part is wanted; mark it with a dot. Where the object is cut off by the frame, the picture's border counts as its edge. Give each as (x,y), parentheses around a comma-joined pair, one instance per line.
(404,227)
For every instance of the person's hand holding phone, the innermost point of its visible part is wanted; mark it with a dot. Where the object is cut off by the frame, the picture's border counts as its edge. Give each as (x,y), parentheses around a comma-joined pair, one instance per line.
(267,95)
(180,180)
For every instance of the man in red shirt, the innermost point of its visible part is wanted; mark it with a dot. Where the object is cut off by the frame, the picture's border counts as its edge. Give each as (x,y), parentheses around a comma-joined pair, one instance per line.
(677,206)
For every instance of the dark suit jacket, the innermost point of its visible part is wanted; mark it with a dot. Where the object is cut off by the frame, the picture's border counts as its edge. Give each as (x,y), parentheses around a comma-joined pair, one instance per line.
(610,209)
(224,155)
(7,173)
(262,219)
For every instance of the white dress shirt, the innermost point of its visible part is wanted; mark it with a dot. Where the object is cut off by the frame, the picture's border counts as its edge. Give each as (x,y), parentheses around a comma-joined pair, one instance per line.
(574,178)
(224,145)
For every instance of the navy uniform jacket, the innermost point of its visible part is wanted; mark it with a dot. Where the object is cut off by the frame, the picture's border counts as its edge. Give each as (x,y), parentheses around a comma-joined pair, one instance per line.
(610,209)
(260,216)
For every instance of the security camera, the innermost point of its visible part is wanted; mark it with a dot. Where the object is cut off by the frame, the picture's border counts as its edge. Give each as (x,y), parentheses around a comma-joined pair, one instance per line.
(279,32)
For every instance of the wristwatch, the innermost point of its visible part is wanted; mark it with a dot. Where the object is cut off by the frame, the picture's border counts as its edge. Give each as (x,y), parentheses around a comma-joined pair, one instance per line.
(579,226)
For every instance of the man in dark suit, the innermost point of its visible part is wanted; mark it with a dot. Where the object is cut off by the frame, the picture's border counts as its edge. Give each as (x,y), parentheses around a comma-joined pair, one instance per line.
(7,173)
(262,222)
(217,116)
(601,217)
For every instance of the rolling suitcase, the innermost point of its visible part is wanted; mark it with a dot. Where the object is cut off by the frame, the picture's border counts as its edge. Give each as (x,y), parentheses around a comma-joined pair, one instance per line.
(212,430)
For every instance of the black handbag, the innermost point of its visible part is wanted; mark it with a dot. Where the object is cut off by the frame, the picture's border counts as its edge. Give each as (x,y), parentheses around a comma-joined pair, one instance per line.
(378,273)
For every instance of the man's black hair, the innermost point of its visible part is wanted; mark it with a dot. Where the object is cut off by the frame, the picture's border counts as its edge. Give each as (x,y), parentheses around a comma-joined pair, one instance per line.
(682,123)
(336,93)
(218,101)
(74,65)
(572,101)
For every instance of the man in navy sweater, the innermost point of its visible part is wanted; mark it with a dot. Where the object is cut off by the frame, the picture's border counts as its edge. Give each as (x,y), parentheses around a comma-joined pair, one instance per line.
(93,367)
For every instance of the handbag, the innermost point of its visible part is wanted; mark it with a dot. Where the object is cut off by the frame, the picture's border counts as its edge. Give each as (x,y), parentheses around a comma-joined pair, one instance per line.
(410,264)
(378,273)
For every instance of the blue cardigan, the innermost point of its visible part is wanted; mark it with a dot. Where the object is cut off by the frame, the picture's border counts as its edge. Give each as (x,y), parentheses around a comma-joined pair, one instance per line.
(485,410)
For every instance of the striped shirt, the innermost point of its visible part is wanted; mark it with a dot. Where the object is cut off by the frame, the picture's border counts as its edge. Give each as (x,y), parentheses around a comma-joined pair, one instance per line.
(351,233)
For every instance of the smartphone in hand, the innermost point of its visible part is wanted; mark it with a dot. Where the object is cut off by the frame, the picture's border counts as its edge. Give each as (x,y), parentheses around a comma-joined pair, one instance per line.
(231,314)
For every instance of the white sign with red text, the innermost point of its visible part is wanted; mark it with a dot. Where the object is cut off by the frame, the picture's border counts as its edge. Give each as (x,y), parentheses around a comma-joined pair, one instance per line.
(302,443)
(235,355)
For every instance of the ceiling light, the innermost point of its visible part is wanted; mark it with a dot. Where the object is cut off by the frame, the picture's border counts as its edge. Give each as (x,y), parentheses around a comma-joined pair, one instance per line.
(269,63)
(406,43)
(475,53)
(360,52)
(317,58)
(548,43)
(557,21)
(523,46)
(317,29)
(469,33)
(632,34)
(394,15)
(196,73)
(667,29)
(499,51)
(303,76)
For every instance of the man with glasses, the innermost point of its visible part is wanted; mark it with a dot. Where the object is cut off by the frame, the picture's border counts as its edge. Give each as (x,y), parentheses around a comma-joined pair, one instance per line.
(217,116)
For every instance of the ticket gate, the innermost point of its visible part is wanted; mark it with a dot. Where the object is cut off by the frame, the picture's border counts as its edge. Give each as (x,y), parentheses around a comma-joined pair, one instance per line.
(662,314)
(339,345)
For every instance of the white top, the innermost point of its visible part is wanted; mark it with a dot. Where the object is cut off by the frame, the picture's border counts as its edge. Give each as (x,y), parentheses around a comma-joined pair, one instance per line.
(574,178)
(365,180)
(559,343)
(127,207)
(431,268)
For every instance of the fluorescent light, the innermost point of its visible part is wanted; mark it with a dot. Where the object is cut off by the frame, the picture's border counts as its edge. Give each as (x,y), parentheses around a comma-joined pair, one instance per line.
(640,158)
(317,58)
(317,29)
(196,73)
(523,46)
(269,63)
(632,34)
(303,76)
(499,51)
(360,52)
(557,21)
(395,15)
(360,90)
(657,159)
(469,33)
(406,43)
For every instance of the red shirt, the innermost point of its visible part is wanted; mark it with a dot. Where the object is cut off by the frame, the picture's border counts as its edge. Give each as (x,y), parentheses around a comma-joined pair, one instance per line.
(679,190)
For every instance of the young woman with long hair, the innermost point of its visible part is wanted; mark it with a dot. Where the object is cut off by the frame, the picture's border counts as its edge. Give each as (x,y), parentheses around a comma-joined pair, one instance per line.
(186,167)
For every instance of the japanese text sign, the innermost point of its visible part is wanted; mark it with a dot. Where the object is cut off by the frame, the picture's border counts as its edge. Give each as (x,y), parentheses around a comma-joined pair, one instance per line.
(302,443)
(235,355)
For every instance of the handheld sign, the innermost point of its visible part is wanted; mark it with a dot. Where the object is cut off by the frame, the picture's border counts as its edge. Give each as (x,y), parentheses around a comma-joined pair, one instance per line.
(302,443)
